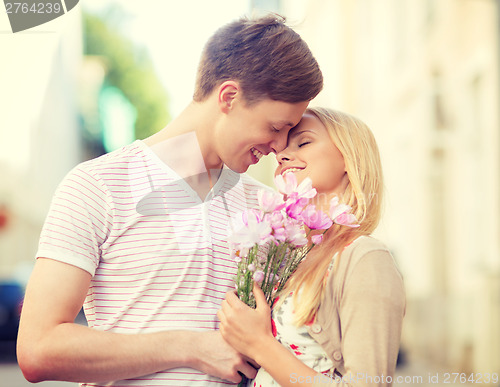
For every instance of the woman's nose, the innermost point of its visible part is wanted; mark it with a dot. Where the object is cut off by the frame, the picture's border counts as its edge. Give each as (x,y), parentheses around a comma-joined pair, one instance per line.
(283,156)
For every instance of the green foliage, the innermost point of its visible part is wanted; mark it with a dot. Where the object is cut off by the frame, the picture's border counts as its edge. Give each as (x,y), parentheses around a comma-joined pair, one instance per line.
(129,69)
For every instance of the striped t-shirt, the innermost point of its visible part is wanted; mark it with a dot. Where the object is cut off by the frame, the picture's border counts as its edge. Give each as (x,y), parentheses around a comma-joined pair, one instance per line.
(158,254)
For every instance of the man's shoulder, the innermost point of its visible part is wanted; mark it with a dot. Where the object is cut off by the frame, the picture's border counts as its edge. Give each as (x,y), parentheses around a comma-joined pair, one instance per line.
(124,155)
(108,167)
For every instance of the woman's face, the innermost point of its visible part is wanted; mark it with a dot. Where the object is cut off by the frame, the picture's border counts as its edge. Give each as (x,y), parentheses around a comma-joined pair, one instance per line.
(311,153)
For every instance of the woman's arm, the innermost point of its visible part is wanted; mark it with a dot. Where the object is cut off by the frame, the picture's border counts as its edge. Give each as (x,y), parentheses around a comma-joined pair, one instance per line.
(249,332)
(371,314)
(371,310)
(52,347)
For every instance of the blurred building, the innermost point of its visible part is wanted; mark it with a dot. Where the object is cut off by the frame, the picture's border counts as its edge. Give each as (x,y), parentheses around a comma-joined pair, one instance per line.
(39,132)
(424,75)
(53,118)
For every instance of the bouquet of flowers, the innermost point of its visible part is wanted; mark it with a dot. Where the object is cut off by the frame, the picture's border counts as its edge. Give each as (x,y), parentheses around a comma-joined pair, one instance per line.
(268,244)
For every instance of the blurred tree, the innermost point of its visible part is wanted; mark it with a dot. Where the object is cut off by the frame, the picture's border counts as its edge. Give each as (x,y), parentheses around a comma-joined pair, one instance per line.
(129,69)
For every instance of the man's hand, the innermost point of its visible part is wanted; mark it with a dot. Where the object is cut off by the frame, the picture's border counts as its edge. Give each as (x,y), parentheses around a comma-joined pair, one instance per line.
(214,356)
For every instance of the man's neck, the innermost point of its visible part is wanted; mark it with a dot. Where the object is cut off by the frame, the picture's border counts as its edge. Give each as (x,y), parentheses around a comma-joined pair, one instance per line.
(198,118)
(184,145)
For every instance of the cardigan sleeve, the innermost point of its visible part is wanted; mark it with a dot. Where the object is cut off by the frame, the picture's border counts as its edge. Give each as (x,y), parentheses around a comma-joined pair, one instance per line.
(371,306)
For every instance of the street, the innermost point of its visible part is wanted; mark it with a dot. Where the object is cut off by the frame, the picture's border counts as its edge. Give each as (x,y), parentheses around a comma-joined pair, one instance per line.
(10,373)
(11,376)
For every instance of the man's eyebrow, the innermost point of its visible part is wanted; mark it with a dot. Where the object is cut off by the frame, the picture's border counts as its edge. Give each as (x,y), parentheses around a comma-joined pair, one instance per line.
(295,133)
(286,123)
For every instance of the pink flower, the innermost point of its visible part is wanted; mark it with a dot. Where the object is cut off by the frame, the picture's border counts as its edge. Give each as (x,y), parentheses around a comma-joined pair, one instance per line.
(295,234)
(272,278)
(258,276)
(288,184)
(295,205)
(317,239)
(348,220)
(270,201)
(275,219)
(280,234)
(339,213)
(297,196)
(314,219)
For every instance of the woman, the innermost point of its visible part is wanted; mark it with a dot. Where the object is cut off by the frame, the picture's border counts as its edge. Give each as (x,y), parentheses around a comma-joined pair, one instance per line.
(340,314)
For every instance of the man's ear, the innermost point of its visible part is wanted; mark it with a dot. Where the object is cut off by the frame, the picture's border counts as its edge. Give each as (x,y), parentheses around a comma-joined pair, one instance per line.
(228,92)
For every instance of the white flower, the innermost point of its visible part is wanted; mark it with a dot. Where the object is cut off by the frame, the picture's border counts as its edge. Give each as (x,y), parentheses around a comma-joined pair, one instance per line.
(254,232)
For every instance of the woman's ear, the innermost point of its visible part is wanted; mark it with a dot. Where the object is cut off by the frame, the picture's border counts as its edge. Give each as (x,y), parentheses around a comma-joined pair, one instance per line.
(228,91)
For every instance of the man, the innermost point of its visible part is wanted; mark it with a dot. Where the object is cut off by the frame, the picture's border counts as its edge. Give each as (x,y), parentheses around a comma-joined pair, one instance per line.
(138,236)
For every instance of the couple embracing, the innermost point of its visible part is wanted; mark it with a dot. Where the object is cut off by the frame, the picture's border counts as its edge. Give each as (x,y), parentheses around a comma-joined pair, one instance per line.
(155,278)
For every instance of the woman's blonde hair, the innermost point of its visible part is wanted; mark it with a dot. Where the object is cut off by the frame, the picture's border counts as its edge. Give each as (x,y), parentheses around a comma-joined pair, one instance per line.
(363,193)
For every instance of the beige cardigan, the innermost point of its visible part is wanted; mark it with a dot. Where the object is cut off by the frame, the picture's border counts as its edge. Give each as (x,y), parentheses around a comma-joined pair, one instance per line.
(359,321)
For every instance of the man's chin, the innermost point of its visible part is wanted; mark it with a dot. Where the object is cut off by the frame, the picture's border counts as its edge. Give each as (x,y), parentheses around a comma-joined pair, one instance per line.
(238,168)
(243,169)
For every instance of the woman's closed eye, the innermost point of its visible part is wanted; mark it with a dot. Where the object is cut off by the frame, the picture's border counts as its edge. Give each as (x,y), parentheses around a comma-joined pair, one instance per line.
(304,143)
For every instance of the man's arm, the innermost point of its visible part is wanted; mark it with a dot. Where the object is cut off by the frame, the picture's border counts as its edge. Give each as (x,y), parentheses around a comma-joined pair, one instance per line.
(52,347)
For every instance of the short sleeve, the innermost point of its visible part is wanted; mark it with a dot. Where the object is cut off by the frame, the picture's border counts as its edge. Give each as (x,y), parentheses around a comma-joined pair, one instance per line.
(78,221)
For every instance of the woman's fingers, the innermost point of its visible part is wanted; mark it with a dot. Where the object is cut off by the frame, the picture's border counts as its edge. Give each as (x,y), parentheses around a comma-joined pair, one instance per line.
(243,327)
(232,299)
(221,315)
(260,297)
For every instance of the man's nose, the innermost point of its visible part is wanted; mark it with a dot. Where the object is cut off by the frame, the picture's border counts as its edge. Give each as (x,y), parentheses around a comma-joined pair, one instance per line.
(280,142)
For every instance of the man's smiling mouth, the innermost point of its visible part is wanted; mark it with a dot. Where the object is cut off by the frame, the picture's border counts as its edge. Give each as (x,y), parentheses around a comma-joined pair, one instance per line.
(257,153)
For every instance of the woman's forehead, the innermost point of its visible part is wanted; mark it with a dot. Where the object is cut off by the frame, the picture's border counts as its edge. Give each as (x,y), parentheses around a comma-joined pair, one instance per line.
(309,123)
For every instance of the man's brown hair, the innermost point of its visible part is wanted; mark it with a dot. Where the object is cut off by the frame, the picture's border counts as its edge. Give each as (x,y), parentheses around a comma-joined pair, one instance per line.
(267,58)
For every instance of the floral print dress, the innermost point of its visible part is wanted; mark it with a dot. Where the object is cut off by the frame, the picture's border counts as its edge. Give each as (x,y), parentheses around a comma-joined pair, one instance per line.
(297,340)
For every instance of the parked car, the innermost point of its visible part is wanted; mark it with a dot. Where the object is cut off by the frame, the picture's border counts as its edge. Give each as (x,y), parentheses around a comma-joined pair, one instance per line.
(11,301)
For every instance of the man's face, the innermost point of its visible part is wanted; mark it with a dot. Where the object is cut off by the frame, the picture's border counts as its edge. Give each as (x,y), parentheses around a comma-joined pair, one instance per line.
(249,132)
